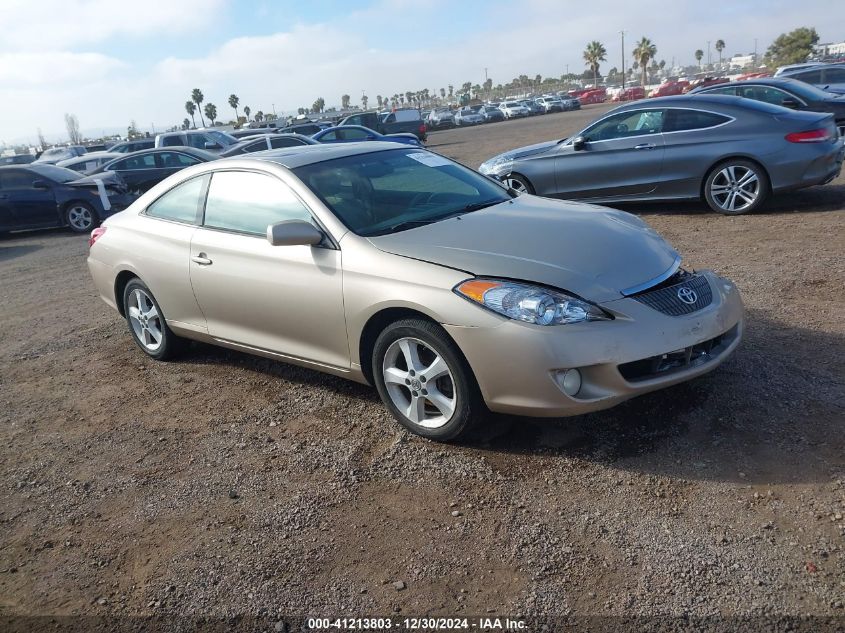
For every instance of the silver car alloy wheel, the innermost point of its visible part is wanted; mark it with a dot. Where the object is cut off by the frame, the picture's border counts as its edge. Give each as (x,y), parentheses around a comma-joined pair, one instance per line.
(145,320)
(80,217)
(735,188)
(419,382)
(516,185)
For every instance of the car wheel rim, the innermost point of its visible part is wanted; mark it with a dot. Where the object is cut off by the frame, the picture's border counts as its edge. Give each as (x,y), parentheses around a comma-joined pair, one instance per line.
(419,383)
(80,218)
(516,185)
(735,188)
(145,319)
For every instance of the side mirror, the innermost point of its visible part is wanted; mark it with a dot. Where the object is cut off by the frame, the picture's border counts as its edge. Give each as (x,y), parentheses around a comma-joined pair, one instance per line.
(40,184)
(213,146)
(789,102)
(579,143)
(294,233)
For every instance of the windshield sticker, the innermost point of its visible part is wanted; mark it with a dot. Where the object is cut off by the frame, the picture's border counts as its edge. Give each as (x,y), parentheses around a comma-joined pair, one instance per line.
(432,160)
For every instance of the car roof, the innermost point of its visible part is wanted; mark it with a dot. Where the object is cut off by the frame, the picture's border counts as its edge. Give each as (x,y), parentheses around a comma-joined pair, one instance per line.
(688,100)
(782,82)
(293,157)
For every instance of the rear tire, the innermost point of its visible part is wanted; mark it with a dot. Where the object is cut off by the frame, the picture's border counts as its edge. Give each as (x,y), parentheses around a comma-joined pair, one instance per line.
(425,381)
(736,186)
(147,323)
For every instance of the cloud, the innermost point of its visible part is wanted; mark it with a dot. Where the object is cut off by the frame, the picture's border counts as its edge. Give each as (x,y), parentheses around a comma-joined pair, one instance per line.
(54,68)
(59,24)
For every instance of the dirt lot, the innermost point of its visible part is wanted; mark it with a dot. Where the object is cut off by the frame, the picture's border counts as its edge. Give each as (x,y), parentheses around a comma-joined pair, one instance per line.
(224,484)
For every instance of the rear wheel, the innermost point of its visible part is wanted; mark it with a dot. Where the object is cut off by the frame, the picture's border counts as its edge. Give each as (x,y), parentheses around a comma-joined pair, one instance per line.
(81,217)
(736,186)
(147,323)
(518,183)
(425,381)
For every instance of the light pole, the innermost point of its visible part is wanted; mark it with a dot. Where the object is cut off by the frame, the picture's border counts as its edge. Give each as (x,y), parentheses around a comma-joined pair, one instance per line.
(708,52)
(623,59)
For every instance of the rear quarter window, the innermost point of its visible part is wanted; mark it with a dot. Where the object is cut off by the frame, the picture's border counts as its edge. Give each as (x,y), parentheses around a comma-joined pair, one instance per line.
(684,120)
(404,116)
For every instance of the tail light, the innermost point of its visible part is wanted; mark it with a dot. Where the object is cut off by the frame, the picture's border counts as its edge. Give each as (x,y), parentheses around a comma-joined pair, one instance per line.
(422,128)
(820,135)
(95,235)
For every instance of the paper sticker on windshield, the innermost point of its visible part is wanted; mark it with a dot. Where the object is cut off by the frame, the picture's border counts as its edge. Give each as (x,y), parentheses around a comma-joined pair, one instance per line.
(432,160)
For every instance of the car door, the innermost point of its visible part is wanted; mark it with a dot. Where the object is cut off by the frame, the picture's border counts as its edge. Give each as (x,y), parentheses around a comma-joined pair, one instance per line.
(27,206)
(622,157)
(139,171)
(332,136)
(283,299)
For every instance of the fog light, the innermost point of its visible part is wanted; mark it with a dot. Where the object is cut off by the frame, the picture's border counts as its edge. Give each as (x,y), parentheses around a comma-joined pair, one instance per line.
(571,382)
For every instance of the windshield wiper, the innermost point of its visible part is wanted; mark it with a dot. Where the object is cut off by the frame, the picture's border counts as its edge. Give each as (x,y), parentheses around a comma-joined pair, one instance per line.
(475,206)
(408,224)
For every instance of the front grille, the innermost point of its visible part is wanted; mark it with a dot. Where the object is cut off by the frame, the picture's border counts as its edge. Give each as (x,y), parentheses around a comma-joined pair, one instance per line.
(666,298)
(681,359)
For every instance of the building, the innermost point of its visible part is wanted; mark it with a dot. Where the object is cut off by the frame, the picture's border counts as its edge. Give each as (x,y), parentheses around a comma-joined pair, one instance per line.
(743,61)
(825,51)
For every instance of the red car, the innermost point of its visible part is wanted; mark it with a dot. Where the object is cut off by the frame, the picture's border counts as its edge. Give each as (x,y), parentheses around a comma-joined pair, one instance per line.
(753,76)
(670,88)
(707,81)
(598,95)
(631,94)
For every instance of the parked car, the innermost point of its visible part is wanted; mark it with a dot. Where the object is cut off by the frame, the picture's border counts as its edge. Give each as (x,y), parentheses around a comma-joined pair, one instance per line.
(213,141)
(670,88)
(440,118)
(136,145)
(789,93)
(17,159)
(306,129)
(532,107)
(452,296)
(550,104)
(41,196)
(89,162)
(142,170)
(735,152)
(357,133)
(599,95)
(631,93)
(829,77)
(408,121)
(492,113)
(513,109)
(263,142)
(55,154)
(702,82)
(468,116)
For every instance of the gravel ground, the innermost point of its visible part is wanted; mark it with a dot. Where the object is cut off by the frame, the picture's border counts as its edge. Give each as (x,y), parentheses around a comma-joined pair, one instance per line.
(224,485)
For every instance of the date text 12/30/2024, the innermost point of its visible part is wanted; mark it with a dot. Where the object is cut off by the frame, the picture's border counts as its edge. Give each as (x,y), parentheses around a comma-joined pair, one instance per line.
(415,624)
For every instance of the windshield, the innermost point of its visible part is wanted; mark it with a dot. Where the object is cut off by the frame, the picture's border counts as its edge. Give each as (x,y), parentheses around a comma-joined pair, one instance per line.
(222,137)
(56,174)
(394,190)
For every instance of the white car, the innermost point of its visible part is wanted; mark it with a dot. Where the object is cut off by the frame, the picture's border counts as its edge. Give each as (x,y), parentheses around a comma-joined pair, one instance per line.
(468,116)
(513,109)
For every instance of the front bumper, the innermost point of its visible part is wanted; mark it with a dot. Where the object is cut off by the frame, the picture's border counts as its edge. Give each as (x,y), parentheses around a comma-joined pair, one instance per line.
(518,366)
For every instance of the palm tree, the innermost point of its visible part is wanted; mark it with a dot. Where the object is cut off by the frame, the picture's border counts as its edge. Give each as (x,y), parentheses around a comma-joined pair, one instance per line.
(379,101)
(593,54)
(344,101)
(259,116)
(233,103)
(720,46)
(364,100)
(196,97)
(211,112)
(186,123)
(246,112)
(451,90)
(644,51)
(698,55)
(190,108)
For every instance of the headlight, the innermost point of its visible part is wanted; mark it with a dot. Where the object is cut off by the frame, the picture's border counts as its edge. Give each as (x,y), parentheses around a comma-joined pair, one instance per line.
(532,304)
(497,166)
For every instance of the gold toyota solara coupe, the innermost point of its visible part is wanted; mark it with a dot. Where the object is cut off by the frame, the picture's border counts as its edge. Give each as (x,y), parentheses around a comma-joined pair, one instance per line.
(395,266)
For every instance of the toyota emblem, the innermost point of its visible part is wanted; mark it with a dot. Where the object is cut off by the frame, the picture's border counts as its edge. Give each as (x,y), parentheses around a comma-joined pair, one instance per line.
(687,295)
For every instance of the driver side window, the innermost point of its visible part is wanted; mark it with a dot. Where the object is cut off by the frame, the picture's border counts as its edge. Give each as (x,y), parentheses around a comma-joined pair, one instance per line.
(626,124)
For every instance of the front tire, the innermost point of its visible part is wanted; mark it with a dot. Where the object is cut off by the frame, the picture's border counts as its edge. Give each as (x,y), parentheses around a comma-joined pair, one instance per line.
(81,217)
(425,381)
(518,183)
(147,324)
(736,186)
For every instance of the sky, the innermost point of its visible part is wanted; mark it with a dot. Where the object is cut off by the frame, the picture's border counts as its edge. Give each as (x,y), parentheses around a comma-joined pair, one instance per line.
(113,61)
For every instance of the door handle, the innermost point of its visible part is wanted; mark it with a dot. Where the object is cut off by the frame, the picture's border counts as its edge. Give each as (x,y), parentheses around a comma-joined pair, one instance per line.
(645,146)
(201,259)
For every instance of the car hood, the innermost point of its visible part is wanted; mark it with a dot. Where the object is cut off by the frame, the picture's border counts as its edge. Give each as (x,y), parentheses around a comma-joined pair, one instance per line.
(525,152)
(591,251)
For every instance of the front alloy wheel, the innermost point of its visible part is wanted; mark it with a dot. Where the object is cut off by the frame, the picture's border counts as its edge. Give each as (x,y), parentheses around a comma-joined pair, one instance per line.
(736,187)
(518,184)
(81,218)
(425,381)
